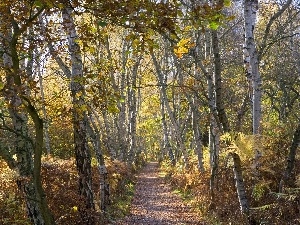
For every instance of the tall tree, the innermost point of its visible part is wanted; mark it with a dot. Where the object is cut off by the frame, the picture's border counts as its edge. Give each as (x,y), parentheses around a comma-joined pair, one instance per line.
(252,65)
(82,153)
(27,151)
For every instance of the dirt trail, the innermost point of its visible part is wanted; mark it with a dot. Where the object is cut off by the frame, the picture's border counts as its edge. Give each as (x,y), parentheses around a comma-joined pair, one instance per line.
(155,204)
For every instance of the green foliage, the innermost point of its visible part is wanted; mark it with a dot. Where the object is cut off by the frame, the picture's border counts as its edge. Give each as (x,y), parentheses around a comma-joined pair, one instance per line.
(102,24)
(214,25)
(227,3)
(259,190)
(122,202)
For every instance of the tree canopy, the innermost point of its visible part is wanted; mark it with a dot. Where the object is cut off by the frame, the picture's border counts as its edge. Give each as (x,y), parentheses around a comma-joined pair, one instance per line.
(91,90)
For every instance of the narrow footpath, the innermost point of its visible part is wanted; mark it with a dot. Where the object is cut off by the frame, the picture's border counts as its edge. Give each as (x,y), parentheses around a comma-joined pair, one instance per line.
(155,204)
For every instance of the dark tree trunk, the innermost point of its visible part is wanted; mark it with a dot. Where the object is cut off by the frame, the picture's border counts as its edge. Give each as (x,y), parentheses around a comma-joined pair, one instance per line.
(291,158)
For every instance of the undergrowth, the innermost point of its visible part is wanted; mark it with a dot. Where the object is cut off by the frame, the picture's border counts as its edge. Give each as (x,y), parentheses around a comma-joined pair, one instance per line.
(60,183)
(267,206)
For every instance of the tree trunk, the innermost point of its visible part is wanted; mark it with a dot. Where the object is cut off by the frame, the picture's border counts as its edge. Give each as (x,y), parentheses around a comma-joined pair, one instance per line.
(197,134)
(46,123)
(103,174)
(132,100)
(239,183)
(109,138)
(251,61)
(120,147)
(162,85)
(218,82)
(82,153)
(27,151)
(291,158)
(214,137)
(121,122)
(166,143)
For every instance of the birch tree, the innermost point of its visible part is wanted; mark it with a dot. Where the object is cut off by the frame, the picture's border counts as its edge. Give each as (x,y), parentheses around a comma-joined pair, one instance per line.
(28,151)
(94,134)
(79,111)
(252,57)
(132,109)
(252,71)
(164,100)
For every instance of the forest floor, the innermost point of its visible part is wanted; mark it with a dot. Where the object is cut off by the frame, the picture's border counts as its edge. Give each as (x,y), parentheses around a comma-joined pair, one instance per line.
(155,203)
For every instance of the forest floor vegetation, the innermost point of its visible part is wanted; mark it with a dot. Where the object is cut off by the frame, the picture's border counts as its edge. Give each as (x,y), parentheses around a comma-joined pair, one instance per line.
(60,182)
(267,205)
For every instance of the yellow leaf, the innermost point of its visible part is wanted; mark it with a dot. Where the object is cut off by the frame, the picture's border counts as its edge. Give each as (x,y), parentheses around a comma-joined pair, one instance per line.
(183,42)
(183,47)
(227,3)
(188,28)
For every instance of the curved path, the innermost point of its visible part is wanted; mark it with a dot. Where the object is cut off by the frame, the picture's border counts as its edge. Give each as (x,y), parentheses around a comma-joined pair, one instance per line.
(155,204)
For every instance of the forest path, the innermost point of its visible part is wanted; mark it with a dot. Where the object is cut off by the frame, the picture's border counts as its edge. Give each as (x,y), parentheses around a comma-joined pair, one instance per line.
(155,204)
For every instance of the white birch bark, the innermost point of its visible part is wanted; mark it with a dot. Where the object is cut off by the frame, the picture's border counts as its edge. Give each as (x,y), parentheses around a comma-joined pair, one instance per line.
(118,84)
(109,140)
(251,62)
(175,126)
(122,122)
(82,153)
(166,142)
(214,139)
(239,183)
(197,134)
(132,110)
(94,134)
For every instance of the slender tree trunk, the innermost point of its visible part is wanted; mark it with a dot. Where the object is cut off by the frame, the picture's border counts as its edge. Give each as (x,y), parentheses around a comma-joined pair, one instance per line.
(291,158)
(46,123)
(218,82)
(214,143)
(103,174)
(109,141)
(132,100)
(214,138)
(82,153)
(38,150)
(120,148)
(239,183)
(197,135)
(251,62)
(166,142)
(178,136)
(122,133)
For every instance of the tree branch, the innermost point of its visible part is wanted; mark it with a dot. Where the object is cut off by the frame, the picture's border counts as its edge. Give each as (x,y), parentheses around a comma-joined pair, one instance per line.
(270,23)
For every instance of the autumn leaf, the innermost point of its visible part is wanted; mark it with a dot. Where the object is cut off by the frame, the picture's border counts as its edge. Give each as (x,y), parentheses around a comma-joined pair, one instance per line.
(183,47)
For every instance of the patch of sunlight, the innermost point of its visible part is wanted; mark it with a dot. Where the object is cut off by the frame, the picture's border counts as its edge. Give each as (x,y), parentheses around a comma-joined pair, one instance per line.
(162,174)
(176,191)
(150,177)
